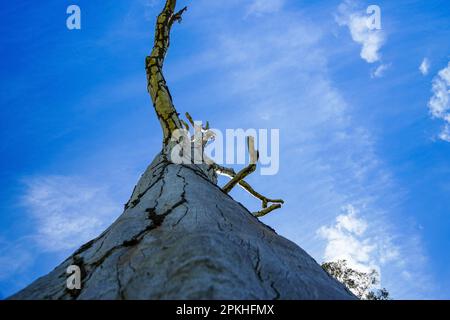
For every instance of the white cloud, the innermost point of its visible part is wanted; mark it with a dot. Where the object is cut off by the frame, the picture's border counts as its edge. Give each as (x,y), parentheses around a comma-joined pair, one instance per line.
(261,7)
(445,133)
(358,24)
(350,222)
(424,66)
(346,240)
(439,103)
(380,70)
(67,211)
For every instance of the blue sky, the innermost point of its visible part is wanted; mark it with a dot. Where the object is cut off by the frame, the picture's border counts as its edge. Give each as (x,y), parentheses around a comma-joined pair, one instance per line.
(364,156)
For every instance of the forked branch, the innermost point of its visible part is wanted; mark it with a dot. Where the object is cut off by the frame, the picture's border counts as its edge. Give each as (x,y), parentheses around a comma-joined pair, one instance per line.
(247,170)
(238,178)
(169,118)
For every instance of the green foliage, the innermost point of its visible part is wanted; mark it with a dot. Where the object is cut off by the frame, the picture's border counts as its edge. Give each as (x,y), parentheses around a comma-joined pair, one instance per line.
(379,294)
(362,284)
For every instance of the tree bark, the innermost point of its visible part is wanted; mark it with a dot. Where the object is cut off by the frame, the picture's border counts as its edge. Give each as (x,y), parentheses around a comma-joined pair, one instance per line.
(182,237)
(156,83)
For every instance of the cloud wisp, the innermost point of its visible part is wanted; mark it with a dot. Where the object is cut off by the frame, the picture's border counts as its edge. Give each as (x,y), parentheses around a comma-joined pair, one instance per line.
(262,7)
(14,258)
(66,211)
(379,71)
(424,67)
(439,103)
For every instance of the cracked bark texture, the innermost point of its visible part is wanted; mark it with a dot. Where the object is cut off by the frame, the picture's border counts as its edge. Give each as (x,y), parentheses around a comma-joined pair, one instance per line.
(181,237)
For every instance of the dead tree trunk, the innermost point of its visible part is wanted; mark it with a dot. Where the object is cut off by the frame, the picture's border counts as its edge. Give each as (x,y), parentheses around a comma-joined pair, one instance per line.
(183,237)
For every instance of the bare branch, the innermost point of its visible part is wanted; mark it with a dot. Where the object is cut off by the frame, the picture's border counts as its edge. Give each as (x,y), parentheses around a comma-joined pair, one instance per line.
(247,170)
(156,83)
(169,118)
(254,154)
(191,121)
(238,178)
(229,172)
(265,201)
(265,211)
(186,126)
(178,16)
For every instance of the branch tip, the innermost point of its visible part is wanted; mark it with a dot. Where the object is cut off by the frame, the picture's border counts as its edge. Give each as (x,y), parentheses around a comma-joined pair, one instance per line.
(265,211)
(179,15)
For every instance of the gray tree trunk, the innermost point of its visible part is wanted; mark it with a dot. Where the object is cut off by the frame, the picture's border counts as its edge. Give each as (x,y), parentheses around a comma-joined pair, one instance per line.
(182,237)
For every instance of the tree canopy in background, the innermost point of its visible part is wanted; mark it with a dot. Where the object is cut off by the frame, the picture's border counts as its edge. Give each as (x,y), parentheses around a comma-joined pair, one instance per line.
(362,284)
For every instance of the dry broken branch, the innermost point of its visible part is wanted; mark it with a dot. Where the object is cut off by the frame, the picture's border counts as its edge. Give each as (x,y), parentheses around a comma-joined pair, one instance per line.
(169,118)
(229,172)
(238,178)
(186,126)
(265,211)
(178,16)
(191,121)
(156,84)
(247,170)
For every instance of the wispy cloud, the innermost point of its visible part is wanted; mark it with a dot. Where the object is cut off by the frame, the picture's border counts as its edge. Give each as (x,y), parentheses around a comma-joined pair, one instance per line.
(261,7)
(15,257)
(273,73)
(358,24)
(424,66)
(67,211)
(379,71)
(439,103)
(64,213)
(328,158)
